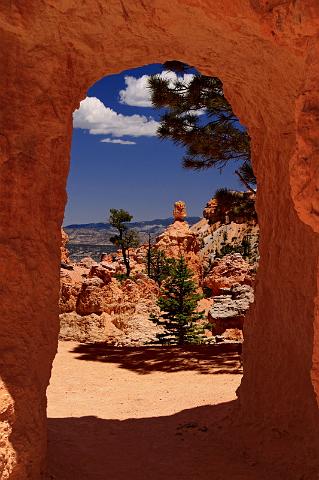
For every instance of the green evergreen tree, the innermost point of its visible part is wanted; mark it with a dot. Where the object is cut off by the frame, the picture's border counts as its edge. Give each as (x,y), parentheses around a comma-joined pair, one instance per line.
(178,303)
(210,143)
(125,239)
(158,265)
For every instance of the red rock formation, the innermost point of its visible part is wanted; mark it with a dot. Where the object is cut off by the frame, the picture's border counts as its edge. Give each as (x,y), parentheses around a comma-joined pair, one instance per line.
(124,307)
(64,251)
(90,328)
(209,211)
(113,297)
(68,294)
(266,53)
(179,212)
(114,261)
(178,239)
(228,271)
(101,271)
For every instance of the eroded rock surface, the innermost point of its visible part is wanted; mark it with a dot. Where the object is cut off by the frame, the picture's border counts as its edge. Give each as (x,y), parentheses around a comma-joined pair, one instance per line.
(228,271)
(178,240)
(95,306)
(179,212)
(229,308)
(64,251)
(266,53)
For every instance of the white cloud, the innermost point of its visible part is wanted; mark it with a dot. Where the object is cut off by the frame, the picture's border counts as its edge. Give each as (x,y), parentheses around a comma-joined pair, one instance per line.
(200,111)
(118,140)
(137,93)
(94,116)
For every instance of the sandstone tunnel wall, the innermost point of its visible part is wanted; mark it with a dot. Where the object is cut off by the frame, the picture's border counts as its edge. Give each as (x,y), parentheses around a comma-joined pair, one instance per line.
(266,53)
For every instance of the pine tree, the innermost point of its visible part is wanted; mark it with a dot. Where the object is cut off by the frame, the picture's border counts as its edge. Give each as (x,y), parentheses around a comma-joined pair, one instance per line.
(210,143)
(158,265)
(126,238)
(178,303)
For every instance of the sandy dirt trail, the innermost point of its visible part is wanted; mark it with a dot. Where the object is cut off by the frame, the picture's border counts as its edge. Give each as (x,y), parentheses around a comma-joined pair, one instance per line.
(143,413)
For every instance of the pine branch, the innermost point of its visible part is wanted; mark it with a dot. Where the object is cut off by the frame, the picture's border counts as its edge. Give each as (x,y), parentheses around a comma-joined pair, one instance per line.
(244,182)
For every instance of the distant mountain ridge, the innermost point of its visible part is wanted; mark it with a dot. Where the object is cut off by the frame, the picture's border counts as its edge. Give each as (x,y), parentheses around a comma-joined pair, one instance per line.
(106,226)
(92,239)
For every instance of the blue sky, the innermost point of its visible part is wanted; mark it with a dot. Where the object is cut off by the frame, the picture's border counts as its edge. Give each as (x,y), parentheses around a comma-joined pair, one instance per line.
(144,176)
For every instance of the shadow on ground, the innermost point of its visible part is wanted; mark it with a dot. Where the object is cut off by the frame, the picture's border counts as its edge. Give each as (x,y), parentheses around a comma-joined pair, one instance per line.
(223,358)
(194,444)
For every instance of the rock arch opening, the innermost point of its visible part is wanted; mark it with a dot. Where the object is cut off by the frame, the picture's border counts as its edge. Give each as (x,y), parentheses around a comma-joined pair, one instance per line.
(109,311)
(146,177)
(266,55)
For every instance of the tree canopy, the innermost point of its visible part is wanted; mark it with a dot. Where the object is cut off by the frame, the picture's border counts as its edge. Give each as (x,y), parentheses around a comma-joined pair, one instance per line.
(158,265)
(178,303)
(199,117)
(126,238)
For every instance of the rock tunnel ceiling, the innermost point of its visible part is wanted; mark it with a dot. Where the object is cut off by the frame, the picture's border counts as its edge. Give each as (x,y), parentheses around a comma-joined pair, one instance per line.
(266,53)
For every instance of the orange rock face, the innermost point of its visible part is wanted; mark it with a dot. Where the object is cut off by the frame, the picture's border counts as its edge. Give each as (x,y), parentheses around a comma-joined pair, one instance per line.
(179,212)
(64,251)
(267,55)
(68,293)
(97,297)
(124,307)
(114,261)
(228,271)
(177,240)
(210,209)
